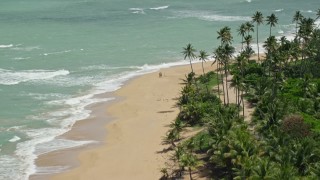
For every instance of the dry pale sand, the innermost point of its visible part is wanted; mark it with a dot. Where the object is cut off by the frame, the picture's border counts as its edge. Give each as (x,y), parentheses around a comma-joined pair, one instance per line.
(133,145)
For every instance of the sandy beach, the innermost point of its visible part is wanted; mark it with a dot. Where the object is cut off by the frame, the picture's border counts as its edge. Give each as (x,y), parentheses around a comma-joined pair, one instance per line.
(131,148)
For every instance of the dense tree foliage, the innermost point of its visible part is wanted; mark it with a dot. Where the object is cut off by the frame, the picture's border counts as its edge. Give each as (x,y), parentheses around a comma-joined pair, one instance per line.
(282,139)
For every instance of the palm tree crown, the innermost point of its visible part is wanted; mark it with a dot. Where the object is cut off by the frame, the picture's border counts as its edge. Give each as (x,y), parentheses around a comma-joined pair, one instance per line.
(257,18)
(203,57)
(189,52)
(241,32)
(249,27)
(297,18)
(272,20)
(224,35)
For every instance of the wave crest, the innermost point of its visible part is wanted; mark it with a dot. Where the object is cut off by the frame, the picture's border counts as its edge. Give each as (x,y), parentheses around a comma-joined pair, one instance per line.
(9,77)
(160,8)
(208,16)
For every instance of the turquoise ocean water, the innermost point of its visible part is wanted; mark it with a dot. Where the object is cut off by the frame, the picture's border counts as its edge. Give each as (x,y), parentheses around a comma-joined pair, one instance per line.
(55,55)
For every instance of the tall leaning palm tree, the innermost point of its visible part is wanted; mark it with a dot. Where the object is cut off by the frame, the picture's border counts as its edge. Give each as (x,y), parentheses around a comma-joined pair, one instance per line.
(218,55)
(296,19)
(189,52)
(272,20)
(258,19)
(203,56)
(271,46)
(228,52)
(242,32)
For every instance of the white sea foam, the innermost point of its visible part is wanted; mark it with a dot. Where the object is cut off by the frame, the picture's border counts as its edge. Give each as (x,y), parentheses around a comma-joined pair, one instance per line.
(15,128)
(48,96)
(6,46)
(14,139)
(306,11)
(209,16)
(11,168)
(160,8)
(106,67)
(42,141)
(249,1)
(21,58)
(278,10)
(58,144)
(54,53)
(137,10)
(9,77)
(28,48)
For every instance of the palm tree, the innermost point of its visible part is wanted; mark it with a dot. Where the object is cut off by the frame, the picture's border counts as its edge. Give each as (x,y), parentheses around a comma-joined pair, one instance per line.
(305,32)
(218,59)
(248,40)
(264,170)
(218,54)
(165,174)
(249,27)
(258,18)
(235,82)
(228,52)
(188,52)
(225,35)
(270,45)
(203,57)
(272,20)
(177,125)
(241,32)
(191,162)
(306,28)
(177,156)
(171,137)
(297,18)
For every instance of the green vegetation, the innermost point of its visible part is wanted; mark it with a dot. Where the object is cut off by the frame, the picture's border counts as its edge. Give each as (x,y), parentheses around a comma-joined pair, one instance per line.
(282,139)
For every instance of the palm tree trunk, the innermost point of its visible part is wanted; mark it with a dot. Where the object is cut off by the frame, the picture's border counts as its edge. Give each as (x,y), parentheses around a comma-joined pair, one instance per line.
(270,31)
(242,103)
(173,144)
(226,77)
(202,68)
(204,77)
(191,65)
(242,44)
(218,79)
(237,100)
(258,44)
(296,29)
(224,94)
(190,174)
(236,95)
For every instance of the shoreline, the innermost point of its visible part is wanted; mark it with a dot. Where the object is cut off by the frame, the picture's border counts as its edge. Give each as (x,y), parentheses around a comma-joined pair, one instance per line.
(140,99)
